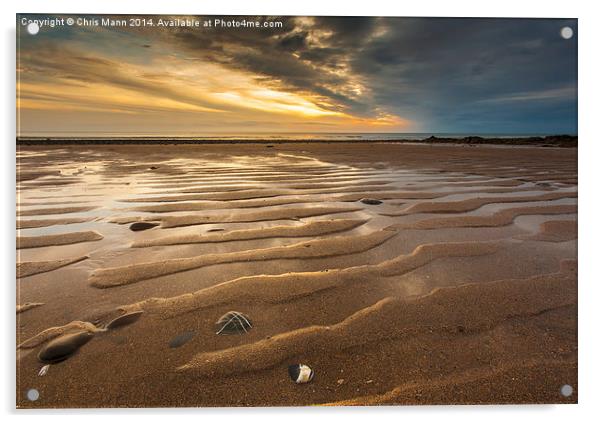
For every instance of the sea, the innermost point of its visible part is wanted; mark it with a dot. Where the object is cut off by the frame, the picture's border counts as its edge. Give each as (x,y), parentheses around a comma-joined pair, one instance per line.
(281,136)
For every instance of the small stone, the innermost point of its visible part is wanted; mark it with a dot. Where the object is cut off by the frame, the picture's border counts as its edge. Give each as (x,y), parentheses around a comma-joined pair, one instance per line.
(126,319)
(142,226)
(371,201)
(300,373)
(63,347)
(340,381)
(153,167)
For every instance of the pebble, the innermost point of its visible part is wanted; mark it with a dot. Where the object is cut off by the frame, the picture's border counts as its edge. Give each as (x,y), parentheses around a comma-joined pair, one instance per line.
(63,347)
(300,373)
(142,226)
(126,319)
(370,201)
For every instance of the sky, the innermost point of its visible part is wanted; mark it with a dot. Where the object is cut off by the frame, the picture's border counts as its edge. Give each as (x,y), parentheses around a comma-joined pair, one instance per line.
(303,74)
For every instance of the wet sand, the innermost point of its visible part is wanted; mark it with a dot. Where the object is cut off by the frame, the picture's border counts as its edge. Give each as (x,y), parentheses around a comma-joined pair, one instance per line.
(459,287)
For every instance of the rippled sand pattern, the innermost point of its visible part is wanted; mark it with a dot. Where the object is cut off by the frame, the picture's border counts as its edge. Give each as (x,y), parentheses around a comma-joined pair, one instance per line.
(456,284)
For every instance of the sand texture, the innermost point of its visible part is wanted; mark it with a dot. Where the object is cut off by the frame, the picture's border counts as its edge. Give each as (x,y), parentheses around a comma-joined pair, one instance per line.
(55,240)
(41,223)
(29,268)
(400,273)
(311,229)
(554,231)
(53,210)
(27,306)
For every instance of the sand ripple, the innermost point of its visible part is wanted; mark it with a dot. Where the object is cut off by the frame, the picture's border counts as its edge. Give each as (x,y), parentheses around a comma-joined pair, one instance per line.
(59,239)
(106,278)
(475,203)
(286,287)
(29,268)
(398,318)
(293,213)
(320,227)
(42,223)
(54,210)
(501,218)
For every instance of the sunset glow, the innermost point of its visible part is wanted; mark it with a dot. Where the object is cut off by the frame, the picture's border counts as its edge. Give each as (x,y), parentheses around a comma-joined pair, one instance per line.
(310,75)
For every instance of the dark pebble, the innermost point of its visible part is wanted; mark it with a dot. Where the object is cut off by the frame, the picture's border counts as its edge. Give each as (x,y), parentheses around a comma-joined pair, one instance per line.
(153,167)
(63,347)
(142,226)
(126,319)
(293,371)
(370,201)
(181,339)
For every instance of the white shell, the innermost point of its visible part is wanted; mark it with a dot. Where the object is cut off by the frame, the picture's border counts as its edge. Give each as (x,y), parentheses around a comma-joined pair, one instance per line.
(233,322)
(300,373)
(44,370)
(306,374)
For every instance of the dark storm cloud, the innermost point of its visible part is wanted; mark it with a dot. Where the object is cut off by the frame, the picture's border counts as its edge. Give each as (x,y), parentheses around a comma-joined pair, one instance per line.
(286,56)
(445,72)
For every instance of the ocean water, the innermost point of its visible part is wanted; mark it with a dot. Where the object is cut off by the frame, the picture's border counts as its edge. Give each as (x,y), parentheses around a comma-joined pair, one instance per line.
(290,136)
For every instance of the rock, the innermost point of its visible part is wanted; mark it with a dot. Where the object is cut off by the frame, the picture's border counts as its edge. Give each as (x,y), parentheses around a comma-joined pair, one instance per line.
(371,201)
(126,319)
(233,322)
(63,347)
(300,373)
(340,381)
(181,339)
(153,167)
(142,226)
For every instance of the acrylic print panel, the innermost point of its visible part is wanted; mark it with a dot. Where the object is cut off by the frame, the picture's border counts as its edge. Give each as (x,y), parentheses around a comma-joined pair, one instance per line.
(274,211)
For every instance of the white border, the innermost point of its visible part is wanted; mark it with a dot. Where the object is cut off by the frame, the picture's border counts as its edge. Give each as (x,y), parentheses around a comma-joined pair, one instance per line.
(590,141)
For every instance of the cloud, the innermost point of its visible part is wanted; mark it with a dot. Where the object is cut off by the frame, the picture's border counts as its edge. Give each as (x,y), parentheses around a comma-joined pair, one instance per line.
(430,74)
(555,94)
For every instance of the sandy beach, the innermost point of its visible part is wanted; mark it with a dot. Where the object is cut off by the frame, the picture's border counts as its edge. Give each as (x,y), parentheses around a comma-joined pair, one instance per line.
(400,273)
